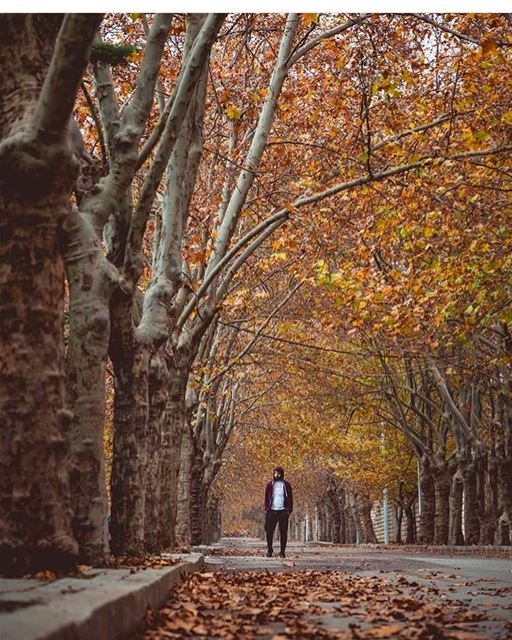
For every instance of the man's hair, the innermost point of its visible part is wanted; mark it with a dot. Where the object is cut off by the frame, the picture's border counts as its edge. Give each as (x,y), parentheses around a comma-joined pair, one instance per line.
(279,470)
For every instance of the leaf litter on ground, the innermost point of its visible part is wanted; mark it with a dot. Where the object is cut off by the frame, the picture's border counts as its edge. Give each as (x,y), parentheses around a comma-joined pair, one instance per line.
(254,604)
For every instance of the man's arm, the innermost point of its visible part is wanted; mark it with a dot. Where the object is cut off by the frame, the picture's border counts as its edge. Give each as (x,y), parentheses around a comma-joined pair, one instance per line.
(291,498)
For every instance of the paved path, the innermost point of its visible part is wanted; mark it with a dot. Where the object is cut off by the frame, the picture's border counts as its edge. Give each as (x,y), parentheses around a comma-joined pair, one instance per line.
(342,592)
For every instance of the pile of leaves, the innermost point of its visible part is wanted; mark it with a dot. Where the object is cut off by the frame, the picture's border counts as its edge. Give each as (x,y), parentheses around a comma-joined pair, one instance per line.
(247,605)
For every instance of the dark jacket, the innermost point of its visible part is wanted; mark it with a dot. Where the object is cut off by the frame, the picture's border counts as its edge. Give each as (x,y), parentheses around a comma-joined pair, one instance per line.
(288,496)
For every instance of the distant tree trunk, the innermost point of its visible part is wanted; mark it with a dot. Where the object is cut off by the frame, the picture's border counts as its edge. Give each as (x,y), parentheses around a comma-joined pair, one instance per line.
(158,382)
(411,523)
(364,508)
(131,368)
(471,510)
(503,448)
(37,174)
(442,509)
(335,513)
(350,520)
(340,496)
(172,430)
(455,536)
(399,514)
(185,500)
(489,506)
(428,510)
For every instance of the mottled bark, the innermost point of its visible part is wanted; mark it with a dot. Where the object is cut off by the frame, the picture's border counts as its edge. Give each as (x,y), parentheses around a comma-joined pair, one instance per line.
(172,430)
(335,513)
(157,392)
(364,508)
(411,524)
(184,502)
(441,476)
(91,280)
(488,508)
(455,536)
(131,368)
(37,173)
(427,516)
(471,512)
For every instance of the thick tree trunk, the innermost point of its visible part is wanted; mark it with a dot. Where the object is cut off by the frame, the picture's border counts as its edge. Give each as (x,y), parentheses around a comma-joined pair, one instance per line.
(158,381)
(35,512)
(442,508)
(504,492)
(172,430)
(504,477)
(489,506)
(455,536)
(364,508)
(411,524)
(185,499)
(358,527)
(131,411)
(471,510)
(91,279)
(37,173)
(427,516)
(350,520)
(340,496)
(198,507)
(335,511)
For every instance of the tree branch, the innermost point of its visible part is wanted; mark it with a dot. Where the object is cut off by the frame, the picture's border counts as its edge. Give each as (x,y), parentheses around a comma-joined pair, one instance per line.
(324,36)
(70,57)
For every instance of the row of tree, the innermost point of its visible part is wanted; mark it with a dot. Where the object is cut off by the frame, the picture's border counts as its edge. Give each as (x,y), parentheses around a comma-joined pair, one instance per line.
(164,213)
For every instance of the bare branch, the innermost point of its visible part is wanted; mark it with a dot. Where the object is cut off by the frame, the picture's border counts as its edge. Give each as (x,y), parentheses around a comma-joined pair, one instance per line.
(325,36)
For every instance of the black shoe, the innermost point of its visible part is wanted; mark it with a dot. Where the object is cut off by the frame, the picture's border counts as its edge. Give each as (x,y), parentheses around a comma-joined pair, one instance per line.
(282,554)
(269,554)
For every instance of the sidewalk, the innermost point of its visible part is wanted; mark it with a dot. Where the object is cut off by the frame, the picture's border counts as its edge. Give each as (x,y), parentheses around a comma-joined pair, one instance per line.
(104,604)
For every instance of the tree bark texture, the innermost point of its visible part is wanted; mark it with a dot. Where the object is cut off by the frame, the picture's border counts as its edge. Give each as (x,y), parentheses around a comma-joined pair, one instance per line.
(442,493)
(158,382)
(427,516)
(37,173)
(455,536)
(172,430)
(131,407)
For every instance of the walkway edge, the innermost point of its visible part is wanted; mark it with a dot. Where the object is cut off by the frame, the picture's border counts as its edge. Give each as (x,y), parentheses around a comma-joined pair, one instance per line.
(112,605)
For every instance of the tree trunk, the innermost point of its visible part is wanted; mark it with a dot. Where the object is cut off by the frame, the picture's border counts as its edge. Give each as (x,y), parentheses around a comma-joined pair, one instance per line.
(504,491)
(442,504)
(172,430)
(185,498)
(364,508)
(427,516)
(336,517)
(471,511)
(131,369)
(37,173)
(158,381)
(489,507)
(455,536)
(35,515)
(350,520)
(91,279)
(411,524)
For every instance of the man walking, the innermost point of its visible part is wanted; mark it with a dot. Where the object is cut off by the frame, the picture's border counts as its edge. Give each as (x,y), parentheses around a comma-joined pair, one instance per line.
(278,507)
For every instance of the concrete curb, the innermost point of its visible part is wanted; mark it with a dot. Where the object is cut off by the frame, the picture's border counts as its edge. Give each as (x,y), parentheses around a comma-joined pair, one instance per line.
(111,605)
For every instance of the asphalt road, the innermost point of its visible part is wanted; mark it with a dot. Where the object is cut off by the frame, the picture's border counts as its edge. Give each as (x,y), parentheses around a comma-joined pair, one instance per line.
(476,584)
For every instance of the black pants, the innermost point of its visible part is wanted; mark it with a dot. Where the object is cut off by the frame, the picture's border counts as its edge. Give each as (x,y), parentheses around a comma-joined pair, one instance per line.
(272,518)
